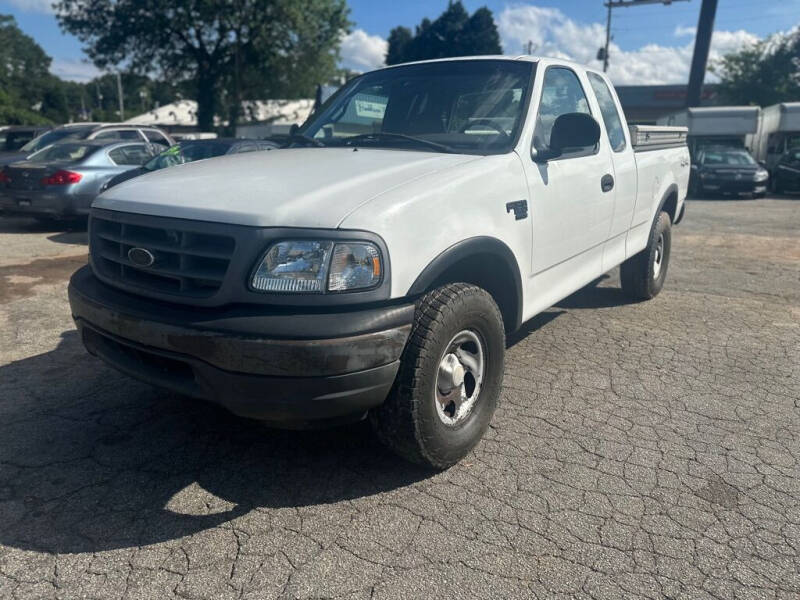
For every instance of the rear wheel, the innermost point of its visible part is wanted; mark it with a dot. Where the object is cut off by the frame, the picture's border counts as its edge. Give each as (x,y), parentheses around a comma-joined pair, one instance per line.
(449,380)
(643,274)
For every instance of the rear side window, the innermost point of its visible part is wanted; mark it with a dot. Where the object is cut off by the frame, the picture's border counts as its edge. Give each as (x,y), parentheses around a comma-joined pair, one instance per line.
(118,134)
(155,137)
(562,94)
(611,118)
(135,155)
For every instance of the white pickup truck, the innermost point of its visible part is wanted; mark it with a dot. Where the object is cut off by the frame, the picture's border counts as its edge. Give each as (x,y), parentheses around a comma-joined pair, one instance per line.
(375,266)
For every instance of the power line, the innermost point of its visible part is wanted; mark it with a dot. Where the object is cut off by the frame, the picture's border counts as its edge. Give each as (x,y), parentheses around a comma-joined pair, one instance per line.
(602,53)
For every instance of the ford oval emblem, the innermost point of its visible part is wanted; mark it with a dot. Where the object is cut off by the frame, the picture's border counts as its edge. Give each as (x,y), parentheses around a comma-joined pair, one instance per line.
(141,257)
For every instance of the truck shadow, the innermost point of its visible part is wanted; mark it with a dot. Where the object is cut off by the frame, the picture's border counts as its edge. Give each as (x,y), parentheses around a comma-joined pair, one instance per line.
(596,296)
(91,460)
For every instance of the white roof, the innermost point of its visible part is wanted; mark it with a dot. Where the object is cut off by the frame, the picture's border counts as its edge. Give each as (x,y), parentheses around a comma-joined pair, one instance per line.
(183,113)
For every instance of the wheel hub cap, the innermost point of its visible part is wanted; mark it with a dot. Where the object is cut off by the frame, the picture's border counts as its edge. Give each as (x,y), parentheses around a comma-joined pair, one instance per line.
(658,257)
(458,381)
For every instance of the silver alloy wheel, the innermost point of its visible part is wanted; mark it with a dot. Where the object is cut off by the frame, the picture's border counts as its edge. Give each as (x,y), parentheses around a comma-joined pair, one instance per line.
(458,382)
(659,256)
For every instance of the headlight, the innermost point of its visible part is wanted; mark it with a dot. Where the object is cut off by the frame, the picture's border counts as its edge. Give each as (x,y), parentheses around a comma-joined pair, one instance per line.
(318,266)
(293,266)
(761,175)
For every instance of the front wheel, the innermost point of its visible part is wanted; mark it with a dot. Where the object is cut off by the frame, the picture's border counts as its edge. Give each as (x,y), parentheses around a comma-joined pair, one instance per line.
(643,274)
(449,380)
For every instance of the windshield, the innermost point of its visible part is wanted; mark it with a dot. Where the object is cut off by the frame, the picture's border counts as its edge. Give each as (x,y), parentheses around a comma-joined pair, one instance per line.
(16,140)
(471,106)
(66,152)
(728,158)
(51,137)
(183,153)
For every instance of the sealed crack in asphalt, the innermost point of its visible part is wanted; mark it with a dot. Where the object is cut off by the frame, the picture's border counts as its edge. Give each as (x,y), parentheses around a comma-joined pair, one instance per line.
(640,450)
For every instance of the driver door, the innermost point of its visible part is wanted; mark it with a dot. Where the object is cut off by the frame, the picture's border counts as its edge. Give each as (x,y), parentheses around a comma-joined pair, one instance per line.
(572,212)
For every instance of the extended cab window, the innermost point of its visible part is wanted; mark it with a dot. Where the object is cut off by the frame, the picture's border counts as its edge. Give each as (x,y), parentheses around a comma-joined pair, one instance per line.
(470,106)
(562,93)
(616,133)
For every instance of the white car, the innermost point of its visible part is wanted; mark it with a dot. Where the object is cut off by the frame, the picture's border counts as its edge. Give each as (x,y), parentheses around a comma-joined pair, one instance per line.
(375,266)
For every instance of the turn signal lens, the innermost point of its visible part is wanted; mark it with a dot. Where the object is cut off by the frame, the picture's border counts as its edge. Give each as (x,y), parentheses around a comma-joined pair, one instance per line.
(62,178)
(354,265)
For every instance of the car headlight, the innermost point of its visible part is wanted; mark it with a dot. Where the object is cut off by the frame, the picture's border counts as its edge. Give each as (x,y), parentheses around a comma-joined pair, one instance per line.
(318,266)
(761,175)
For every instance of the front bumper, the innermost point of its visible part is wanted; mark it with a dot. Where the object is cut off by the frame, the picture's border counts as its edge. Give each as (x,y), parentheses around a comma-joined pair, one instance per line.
(732,186)
(289,368)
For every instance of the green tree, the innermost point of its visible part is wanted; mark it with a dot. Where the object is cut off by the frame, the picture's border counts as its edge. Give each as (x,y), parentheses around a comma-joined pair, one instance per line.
(764,73)
(25,76)
(240,47)
(453,33)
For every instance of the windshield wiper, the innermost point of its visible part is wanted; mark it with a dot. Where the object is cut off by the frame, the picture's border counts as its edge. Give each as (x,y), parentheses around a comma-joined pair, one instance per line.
(398,136)
(304,139)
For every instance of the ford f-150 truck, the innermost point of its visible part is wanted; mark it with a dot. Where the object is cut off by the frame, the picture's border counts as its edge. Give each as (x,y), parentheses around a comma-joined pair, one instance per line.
(374,267)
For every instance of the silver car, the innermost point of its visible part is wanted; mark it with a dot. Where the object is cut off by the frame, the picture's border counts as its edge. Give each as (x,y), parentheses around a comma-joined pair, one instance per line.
(62,180)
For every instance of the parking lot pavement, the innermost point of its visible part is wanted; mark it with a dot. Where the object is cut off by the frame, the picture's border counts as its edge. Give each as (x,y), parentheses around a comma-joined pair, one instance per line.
(640,450)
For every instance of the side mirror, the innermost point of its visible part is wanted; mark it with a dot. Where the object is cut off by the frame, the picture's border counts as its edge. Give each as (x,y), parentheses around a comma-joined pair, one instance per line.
(570,130)
(293,129)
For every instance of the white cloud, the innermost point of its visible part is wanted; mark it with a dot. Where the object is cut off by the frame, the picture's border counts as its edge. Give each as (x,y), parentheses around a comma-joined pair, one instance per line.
(683,31)
(74,69)
(40,6)
(363,52)
(555,34)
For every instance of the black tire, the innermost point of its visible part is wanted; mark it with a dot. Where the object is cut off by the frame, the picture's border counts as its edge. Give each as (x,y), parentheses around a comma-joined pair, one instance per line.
(638,273)
(409,421)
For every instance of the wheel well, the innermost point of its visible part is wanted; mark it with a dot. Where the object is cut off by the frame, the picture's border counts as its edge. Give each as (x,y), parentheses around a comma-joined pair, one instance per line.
(493,274)
(670,205)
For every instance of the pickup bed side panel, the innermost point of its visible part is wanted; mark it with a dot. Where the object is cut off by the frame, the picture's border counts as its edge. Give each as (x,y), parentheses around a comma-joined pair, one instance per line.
(658,172)
(422,219)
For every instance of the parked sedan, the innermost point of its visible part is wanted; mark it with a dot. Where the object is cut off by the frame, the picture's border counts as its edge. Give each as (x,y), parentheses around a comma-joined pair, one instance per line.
(62,180)
(786,175)
(191,151)
(107,132)
(727,170)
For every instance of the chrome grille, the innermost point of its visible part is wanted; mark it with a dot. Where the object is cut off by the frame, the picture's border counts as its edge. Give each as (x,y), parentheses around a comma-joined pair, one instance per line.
(186,262)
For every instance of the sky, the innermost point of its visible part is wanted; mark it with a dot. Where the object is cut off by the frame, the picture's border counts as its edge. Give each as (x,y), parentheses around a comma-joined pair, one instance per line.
(651,44)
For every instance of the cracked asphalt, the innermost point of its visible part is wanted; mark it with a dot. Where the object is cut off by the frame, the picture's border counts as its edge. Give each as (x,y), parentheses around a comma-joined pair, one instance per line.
(640,450)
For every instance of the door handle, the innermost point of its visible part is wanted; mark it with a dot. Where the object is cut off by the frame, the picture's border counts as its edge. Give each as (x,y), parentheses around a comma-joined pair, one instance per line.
(607,183)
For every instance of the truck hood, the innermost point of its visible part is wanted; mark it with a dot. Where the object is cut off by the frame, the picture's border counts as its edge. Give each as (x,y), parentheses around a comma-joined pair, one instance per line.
(295,187)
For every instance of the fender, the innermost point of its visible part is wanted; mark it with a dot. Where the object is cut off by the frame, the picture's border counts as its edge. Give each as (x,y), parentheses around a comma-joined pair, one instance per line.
(672,188)
(463,250)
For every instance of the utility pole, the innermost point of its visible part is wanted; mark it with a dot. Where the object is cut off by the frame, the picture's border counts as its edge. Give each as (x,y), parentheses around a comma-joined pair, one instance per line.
(608,38)
(602,53)
(121,101)
(702,43)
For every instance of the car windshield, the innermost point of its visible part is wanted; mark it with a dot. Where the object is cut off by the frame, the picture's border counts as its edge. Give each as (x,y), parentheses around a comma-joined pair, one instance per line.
(187,152)
(16,140)
(52,137)
(728,158)
(471,106)
(66,152)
